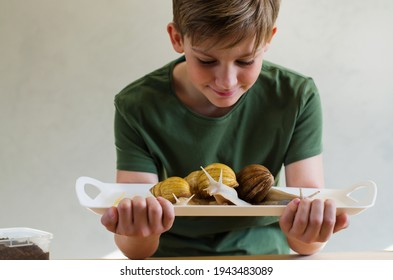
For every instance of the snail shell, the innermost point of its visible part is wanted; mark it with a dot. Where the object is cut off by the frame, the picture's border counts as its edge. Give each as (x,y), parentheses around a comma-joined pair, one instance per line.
(214,170)
(222,193)
(256,186)
(172,186)
(255,182)
(192,180)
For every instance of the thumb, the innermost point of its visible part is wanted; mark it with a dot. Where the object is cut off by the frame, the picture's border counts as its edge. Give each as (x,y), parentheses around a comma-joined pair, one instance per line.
(342,222)
(109,219)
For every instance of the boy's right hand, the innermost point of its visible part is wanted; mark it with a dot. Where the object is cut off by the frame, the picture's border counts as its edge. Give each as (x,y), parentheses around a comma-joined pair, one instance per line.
(140,217)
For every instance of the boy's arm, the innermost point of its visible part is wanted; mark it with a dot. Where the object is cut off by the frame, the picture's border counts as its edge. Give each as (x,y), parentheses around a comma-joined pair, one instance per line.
(146,246)
(138,222)
(307,173)
(308,224)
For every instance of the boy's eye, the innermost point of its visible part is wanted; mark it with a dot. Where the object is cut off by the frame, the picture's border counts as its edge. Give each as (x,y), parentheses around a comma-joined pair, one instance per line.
(211,62)
(206,62)
(246,63)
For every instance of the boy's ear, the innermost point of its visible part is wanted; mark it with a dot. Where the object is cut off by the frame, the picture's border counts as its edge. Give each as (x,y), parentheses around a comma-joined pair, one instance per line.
(267,45)
(176,38)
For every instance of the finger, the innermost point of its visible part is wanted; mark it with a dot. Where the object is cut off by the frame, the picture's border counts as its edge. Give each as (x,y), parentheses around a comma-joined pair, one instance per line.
(315,221)
(109,219)
(329,220)
(301,219)
(168,215)
(154,216)
(139,216)
(342,222)
(124,208)
(286,219)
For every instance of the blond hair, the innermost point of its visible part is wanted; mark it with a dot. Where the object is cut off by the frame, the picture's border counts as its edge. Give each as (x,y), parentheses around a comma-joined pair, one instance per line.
(225,22)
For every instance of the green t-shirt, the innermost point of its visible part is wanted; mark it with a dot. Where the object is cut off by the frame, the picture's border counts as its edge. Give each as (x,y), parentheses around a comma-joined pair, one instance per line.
(277,122)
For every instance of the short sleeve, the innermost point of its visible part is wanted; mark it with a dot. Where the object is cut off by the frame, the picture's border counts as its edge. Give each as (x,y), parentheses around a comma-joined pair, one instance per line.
(131,151)
(306,139)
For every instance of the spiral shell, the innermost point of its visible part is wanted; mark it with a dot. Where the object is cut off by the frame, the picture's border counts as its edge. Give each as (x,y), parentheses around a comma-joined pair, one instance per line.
(192,180)
(214,169)
(221,192)
(255,181)
(171,186)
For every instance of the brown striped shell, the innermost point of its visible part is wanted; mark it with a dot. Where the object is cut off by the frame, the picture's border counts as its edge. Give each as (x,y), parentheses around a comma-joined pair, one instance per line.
(255,181)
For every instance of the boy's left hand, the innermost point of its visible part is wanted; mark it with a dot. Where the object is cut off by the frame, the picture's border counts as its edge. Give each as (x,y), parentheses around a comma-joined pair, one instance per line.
(310,221)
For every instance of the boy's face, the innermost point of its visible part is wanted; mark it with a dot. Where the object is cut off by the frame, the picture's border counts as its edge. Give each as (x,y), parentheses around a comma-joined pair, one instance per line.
(221,75)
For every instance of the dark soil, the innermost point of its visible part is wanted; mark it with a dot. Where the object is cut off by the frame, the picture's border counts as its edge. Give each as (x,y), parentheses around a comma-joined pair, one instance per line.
(30,252)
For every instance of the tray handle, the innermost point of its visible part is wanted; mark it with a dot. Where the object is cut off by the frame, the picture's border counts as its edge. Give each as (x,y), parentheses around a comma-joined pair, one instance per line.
(80,184)
(369,198)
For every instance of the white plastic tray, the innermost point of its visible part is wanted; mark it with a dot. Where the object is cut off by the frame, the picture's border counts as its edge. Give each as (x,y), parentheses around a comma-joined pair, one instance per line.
(352,200)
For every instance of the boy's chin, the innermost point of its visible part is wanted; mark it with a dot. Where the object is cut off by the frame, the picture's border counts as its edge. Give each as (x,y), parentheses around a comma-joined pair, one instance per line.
(224,104)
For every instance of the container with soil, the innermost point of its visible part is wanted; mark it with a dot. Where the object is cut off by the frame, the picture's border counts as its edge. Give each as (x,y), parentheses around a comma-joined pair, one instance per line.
(24,244)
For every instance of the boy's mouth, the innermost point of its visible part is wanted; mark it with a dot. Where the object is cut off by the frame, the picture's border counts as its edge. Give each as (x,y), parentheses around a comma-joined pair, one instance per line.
(226,93)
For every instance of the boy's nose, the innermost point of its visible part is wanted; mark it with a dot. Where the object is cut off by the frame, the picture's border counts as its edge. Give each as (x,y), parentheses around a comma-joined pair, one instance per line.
(226,78)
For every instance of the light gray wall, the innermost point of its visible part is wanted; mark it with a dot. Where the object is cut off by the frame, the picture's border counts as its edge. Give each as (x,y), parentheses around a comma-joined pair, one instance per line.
(62,62)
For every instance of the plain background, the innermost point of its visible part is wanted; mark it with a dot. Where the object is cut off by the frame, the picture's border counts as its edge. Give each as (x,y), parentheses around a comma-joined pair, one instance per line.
(62,62)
